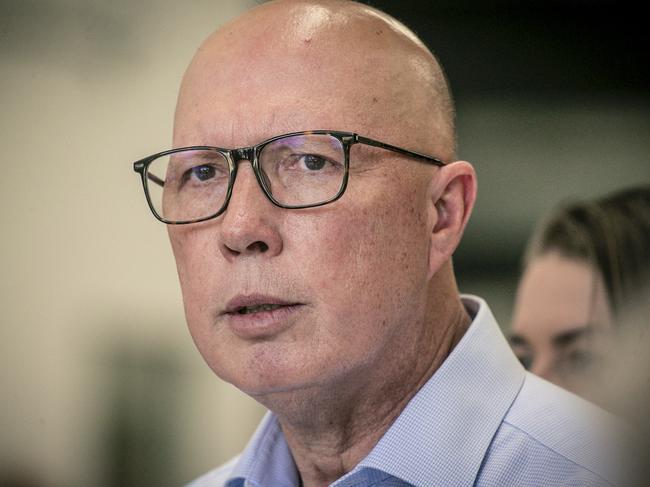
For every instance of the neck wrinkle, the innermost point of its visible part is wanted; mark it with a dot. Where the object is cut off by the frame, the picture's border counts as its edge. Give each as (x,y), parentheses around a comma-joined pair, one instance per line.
(348,426)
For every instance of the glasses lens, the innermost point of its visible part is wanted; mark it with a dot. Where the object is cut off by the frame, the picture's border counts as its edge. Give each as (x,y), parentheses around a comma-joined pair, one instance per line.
(188,185)
(303,169)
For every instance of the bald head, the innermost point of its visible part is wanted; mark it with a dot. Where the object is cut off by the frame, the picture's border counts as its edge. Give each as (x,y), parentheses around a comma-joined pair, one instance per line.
(300,65)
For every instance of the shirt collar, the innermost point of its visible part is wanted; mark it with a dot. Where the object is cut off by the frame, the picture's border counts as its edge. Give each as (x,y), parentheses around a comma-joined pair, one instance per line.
(442,435)
(266,460)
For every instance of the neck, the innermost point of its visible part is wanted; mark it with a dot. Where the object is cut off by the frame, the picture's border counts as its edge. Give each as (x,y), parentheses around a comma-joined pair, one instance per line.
(331,429)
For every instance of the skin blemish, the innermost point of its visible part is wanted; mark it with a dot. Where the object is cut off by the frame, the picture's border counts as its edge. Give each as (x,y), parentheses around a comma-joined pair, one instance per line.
(379,32)
(307,40)
(375,99)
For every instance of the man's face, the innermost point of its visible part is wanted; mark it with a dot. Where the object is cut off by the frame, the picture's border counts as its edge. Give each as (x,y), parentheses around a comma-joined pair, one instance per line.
(279,299)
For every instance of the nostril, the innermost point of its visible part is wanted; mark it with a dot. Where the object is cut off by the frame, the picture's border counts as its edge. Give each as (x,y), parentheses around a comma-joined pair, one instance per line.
(230,251)
(258,246)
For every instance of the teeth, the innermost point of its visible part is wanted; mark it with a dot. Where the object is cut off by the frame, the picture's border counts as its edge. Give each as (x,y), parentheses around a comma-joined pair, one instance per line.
(256,309)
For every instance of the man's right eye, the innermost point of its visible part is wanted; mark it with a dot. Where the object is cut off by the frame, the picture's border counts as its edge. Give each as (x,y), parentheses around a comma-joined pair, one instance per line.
(202,173)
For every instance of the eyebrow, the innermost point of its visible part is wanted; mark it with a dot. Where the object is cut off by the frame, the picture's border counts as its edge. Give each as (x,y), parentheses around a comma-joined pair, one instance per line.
(569,336)
(561,339)
(515,339)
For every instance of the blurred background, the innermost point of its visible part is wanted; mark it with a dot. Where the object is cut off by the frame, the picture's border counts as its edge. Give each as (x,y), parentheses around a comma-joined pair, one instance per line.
(100,382)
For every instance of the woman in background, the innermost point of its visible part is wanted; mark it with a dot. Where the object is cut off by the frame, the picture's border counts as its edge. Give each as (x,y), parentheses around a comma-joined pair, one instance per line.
(582,305)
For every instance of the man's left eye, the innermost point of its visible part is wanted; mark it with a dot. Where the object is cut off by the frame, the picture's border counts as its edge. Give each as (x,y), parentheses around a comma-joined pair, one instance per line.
(313,162)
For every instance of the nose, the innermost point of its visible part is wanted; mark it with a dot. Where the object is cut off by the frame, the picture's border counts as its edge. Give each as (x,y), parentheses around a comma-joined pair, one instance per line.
(545,368)
(250,224)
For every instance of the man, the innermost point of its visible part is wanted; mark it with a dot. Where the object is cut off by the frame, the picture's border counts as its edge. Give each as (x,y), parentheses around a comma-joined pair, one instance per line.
(319,279)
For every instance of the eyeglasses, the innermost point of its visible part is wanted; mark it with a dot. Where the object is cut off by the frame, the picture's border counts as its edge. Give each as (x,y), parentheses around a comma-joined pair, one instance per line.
(296,170)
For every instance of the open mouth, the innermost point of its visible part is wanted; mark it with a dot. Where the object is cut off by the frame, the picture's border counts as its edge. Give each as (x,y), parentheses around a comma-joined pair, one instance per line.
(260,316)
(244,310)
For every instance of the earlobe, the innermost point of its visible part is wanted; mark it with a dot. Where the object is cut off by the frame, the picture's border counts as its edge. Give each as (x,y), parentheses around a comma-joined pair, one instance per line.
(452,203)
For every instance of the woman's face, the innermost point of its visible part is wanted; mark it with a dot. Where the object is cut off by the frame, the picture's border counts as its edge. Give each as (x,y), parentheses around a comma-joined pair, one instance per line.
(562,322)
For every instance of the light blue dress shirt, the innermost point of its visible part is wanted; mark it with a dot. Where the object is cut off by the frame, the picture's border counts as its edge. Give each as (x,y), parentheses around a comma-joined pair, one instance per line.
(480,420)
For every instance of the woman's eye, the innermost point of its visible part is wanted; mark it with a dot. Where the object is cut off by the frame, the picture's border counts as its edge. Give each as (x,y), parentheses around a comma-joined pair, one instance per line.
(526,361)
(580,360)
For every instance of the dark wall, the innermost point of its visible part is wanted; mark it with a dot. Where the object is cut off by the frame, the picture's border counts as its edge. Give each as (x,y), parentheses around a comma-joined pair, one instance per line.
(549,48)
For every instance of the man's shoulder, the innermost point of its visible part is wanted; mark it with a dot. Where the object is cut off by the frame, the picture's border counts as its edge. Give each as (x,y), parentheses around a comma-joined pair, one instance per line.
(216,477)
(558,435)
(562,420)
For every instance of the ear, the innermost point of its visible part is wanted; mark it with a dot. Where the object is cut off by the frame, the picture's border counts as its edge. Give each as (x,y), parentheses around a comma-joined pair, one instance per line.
(453,193)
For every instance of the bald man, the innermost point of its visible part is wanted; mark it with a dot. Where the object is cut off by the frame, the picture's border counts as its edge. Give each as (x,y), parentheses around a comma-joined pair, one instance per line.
(313,201)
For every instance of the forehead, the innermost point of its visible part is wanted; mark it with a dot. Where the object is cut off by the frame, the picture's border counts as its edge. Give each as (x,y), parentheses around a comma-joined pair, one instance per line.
(558,293)
(240,89)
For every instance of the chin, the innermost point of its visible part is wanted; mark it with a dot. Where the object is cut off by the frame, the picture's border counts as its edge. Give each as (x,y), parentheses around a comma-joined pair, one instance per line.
(266,371)
(268,387)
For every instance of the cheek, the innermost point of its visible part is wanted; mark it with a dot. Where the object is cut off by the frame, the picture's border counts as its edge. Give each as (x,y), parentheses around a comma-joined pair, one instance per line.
(195,267)
(365,259)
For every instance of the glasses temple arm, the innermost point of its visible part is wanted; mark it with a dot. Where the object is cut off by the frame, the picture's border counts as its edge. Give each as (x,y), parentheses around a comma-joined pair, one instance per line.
(155,179)
(399,150)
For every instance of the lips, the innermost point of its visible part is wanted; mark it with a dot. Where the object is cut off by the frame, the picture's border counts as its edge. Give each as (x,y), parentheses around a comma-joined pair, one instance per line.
(243,305)
(260,316)
(257,308)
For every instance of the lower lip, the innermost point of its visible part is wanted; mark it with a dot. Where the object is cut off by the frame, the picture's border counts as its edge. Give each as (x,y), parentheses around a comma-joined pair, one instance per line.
(262,324)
